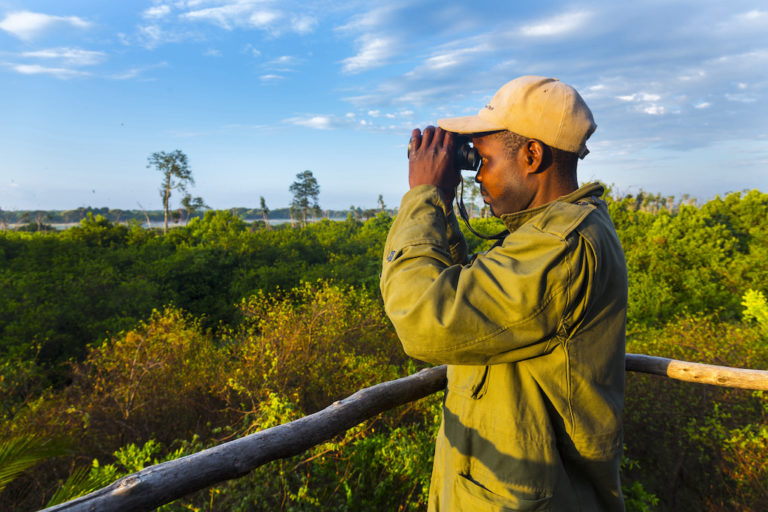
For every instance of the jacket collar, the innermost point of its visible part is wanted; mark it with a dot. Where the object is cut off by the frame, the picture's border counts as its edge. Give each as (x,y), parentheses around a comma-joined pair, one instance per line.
(512,221)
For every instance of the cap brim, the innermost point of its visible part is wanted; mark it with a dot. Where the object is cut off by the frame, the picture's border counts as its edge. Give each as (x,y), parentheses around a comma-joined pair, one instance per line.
(468,124)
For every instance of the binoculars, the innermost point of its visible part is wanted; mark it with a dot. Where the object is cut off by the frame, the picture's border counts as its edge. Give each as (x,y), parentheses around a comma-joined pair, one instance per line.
(467,158)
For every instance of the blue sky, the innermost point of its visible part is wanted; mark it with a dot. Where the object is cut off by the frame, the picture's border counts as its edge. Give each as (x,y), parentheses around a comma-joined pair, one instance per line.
(255,91)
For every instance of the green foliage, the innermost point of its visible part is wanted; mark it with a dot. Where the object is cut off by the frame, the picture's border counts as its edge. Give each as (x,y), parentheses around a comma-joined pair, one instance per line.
(21,380)
(756,309)
(305,191)
(487,226)
(83,481)
(64,291)
(168,379)
(679,432)
(128,459)
(18,454)
(636,498)
(692,260)
(141,347)
(176,176)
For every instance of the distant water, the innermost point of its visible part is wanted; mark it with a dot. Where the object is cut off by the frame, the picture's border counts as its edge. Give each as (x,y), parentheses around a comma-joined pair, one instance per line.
(155,223)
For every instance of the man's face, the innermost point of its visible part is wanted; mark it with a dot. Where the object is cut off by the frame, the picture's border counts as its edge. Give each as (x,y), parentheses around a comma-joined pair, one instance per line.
(502,181)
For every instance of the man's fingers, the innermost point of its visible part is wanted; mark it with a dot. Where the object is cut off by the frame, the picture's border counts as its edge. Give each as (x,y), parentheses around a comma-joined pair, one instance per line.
(426,138)
(415,138)
(438,137)
(450,140)
(415,141)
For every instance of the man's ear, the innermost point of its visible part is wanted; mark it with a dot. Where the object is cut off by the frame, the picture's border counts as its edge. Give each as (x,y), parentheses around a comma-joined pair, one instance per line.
(534,155)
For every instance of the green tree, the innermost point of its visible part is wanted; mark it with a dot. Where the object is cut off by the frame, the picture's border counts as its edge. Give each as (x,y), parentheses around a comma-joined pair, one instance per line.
(264,211)
(192,205)
(305,191)
(176,176)
(471,193)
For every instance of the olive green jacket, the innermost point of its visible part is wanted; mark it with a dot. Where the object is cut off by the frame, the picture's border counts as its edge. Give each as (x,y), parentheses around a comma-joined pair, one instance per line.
(533,335)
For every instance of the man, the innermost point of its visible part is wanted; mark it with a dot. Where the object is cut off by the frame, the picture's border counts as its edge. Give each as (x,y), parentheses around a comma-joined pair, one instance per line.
(533,330)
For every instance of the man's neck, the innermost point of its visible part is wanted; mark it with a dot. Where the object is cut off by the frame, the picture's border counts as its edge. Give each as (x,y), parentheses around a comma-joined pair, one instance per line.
(551,189)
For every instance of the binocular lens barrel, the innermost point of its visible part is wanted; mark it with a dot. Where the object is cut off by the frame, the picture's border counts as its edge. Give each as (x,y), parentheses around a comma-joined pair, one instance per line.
(467,157)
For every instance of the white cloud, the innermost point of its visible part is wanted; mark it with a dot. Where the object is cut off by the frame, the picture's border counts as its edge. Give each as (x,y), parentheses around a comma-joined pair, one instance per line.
(695,75)
(303,24)
(753,17)
(284,60)
(326,121)
(157,12)
(640,96)
(71,56)
(212,52)
(271,78)
(371,19)
(262,19)
(136,71)
(316,122)
(702,105)
(557,25)
(654,110)
(453,58)
(374,113)
(234,14)
(740,98)
(152,35)
(127,75)
(27,25)
(247,14)
(249,48)
(34,69)
(375,51)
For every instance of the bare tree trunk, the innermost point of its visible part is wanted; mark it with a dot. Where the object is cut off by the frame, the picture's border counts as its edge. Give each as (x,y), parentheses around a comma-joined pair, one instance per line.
(166,199)
(146,216)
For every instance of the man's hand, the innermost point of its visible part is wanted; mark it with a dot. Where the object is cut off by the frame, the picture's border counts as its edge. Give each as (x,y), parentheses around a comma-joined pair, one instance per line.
(431,160)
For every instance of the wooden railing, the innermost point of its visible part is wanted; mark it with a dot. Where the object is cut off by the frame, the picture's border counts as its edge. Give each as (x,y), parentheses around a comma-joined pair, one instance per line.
(163,483)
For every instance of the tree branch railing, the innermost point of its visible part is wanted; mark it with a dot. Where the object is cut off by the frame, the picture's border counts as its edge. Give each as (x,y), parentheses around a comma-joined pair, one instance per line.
(163,483)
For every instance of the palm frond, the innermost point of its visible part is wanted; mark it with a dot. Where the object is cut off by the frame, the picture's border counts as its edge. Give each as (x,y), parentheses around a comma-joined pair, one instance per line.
(82,481)
(21,453)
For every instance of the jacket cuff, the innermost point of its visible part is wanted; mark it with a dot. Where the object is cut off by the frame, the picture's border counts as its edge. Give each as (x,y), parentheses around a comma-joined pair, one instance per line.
(425,215)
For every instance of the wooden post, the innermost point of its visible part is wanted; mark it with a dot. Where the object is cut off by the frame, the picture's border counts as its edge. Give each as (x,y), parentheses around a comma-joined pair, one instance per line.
(698,372)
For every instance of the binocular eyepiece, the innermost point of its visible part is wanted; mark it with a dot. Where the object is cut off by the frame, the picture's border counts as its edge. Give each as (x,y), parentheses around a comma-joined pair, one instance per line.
(467,158)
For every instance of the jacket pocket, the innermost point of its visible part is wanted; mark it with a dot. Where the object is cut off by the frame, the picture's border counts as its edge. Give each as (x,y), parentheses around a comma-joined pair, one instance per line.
(469,495)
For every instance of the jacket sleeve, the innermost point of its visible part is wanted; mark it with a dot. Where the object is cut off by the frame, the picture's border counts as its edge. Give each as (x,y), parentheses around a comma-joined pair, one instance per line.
(506,306)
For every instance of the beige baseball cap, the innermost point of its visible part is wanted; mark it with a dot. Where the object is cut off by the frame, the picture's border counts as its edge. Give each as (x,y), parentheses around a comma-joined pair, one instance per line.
(535,107)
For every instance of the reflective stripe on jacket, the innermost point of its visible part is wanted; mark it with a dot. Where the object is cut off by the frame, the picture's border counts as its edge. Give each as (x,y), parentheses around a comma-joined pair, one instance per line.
(533,333)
